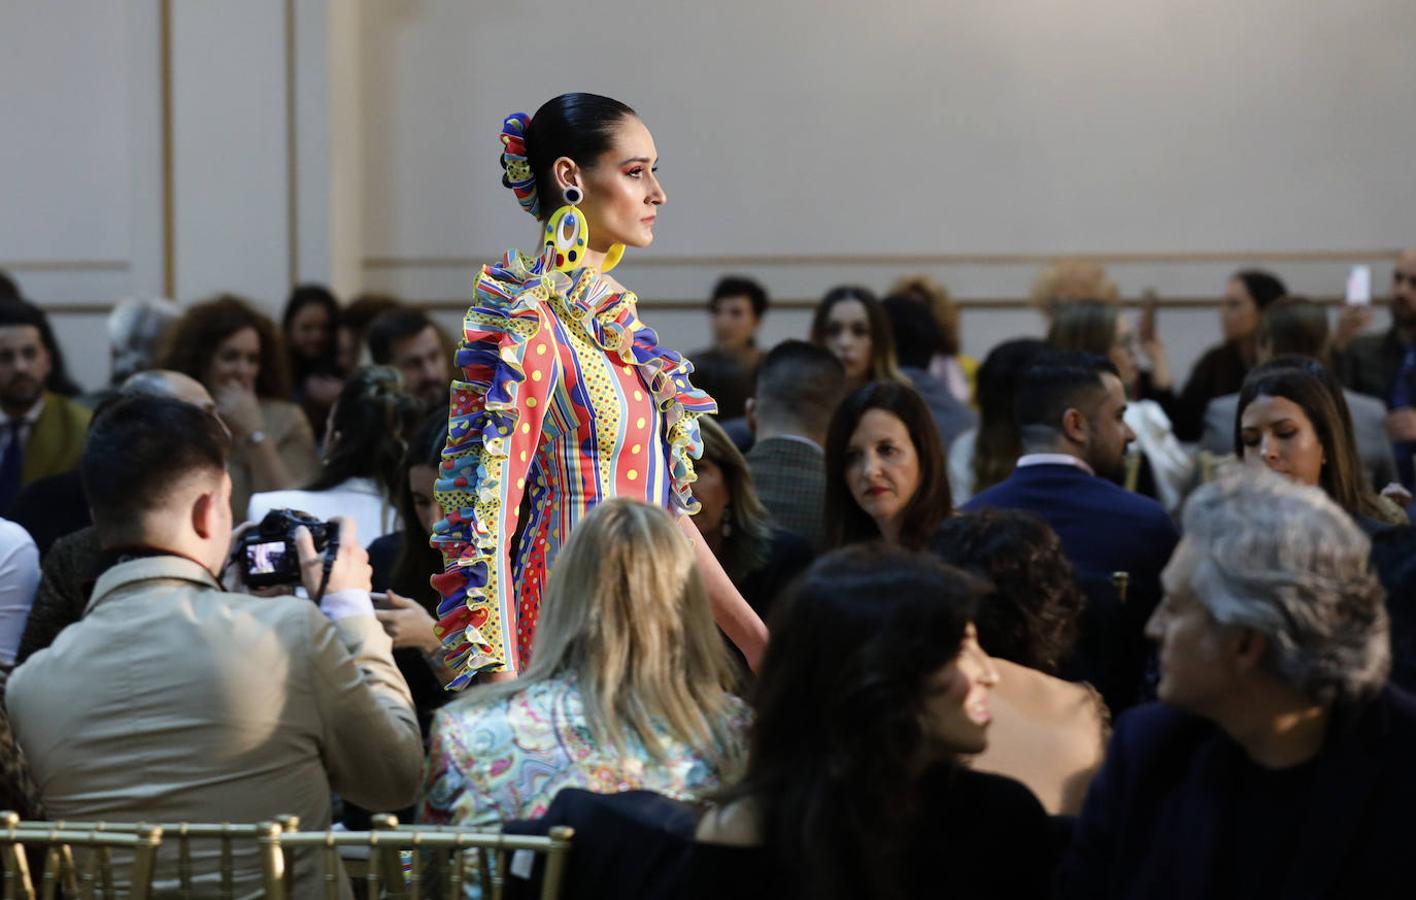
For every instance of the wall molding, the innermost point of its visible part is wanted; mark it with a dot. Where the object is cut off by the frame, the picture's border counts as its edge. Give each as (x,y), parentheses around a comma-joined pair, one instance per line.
(866,259)
(66,265)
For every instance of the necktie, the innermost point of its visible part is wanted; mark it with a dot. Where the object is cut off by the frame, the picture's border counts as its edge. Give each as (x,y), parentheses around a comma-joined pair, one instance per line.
(10,467)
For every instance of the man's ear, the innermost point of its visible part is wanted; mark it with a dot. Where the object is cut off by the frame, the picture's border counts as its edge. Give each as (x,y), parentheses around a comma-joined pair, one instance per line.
(203,507)
(1076,427)
(749,410)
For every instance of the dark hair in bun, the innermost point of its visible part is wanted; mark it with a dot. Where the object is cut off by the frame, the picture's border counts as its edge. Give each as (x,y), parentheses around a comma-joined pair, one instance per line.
(578,126)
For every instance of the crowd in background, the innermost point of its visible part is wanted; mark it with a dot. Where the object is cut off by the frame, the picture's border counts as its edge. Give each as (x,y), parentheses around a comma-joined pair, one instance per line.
(970,569)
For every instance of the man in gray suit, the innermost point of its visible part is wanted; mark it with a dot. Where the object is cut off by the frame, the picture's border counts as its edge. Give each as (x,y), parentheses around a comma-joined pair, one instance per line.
(1296,326)
(176,700)
(798,388)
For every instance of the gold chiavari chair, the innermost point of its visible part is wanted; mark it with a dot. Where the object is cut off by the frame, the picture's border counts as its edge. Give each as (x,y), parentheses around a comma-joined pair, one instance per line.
(82,880)
(1122,582)
(417,861)
(226,835)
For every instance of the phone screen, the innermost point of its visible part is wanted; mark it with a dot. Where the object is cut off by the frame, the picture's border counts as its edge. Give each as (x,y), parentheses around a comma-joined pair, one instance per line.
(1359,286)
(265,559)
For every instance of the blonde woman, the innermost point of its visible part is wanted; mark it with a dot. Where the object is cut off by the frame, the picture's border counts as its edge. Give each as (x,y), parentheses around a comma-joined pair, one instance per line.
(628,687)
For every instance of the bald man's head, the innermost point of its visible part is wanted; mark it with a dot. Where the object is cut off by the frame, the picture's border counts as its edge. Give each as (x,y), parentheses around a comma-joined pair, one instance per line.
(1403,291)
(166,383)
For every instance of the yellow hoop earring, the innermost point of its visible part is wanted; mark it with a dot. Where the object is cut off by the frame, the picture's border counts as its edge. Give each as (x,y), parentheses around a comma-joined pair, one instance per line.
(567,238)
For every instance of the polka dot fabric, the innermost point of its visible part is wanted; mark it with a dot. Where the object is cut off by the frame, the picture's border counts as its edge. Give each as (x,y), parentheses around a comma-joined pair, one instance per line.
(566,398)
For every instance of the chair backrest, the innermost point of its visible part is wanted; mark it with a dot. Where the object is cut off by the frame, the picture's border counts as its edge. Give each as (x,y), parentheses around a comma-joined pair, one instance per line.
(80,880)
(419,861)
(182,834)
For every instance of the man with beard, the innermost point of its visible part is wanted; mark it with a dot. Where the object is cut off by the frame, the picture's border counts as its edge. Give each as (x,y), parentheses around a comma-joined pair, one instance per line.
(41,433)
(1070,409)
(1384,365)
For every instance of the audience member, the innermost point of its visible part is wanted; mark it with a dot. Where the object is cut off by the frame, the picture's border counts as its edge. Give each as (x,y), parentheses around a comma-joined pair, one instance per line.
(351,335)
(18,793)
(75,560)
(1222,368)
(953,367)
(1384,365)
(628,687)
(917,342)
(1292,418)
(885,474)
(1070,410)
(982,457)
(1070,280)
(1091,326)
(173,700)
(58,380)
(759,559)
(368,433)
(1048,733)
(1394,559)
(9,290)
(235,352)
(873,685)
(404,564)
(19,576)
(135,330)
(728,369)
(798,388)
(410,342)
(309,328)
(42,431)
(1296,326)
(1277,763)
(850,322)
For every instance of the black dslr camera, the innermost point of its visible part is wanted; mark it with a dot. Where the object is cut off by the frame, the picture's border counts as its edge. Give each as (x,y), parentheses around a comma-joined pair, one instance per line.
(267,552)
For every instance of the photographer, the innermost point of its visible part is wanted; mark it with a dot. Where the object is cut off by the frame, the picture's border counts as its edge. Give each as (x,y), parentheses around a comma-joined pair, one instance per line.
(174,700)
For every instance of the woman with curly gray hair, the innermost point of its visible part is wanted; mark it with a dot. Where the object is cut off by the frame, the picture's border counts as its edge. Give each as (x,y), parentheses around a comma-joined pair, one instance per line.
(1278,760)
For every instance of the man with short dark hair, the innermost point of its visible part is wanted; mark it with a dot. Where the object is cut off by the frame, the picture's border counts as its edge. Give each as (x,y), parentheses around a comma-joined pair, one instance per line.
(1070,409)
(727,369)
(410,342)
(174,700)
(41,433)
(798,388)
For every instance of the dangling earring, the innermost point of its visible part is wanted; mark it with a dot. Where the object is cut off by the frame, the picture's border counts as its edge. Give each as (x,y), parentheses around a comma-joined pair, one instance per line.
(567,238)
(727,521)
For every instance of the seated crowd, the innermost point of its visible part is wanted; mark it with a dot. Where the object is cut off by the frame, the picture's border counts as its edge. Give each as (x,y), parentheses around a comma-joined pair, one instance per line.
(1055,624)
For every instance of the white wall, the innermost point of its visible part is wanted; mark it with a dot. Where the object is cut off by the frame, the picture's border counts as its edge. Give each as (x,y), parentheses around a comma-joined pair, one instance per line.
(805,143)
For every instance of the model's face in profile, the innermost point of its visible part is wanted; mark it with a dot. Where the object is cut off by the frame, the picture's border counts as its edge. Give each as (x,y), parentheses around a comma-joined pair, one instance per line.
(1276,432)
(882,468)
(955,715)
(848,337)
(622,193)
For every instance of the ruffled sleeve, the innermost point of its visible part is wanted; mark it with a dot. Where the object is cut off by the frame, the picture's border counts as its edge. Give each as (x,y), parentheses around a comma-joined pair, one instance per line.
(494,424)
(612,319)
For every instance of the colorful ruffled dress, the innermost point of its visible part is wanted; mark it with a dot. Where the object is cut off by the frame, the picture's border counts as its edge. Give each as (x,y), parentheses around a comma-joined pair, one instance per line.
(566,399)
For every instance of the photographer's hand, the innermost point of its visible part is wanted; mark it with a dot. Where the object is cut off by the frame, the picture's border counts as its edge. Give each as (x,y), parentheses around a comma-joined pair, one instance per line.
(409,624)
(350,570)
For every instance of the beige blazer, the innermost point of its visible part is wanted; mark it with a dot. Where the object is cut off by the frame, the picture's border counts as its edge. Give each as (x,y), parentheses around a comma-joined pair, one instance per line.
(1047,733)
(286,427)
(173,701)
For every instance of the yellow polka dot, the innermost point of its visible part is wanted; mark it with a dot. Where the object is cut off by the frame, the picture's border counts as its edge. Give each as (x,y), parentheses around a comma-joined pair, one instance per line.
(523,456)
(515,512)
(536,376)
(525,427)
(638,395)
(636,448)
(628,370)
(640,423)
(520,483)
(540,349)
(504,430)
(632,474)
(531,402)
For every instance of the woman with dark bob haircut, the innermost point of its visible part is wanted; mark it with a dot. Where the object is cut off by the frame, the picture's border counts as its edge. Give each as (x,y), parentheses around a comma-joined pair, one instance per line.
(1048,733)
(1293,419)
(885,475)
(873,685)
(236,353)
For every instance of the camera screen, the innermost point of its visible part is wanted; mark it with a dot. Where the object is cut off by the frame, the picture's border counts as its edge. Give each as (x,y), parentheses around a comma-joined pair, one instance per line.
(265,559)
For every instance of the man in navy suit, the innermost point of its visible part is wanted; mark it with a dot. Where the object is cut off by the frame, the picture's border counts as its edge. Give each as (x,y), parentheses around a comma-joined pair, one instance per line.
(1278,762)
(1070,409)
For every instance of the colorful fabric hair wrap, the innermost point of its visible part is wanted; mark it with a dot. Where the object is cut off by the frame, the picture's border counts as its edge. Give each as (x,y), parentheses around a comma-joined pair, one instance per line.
(518,175)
